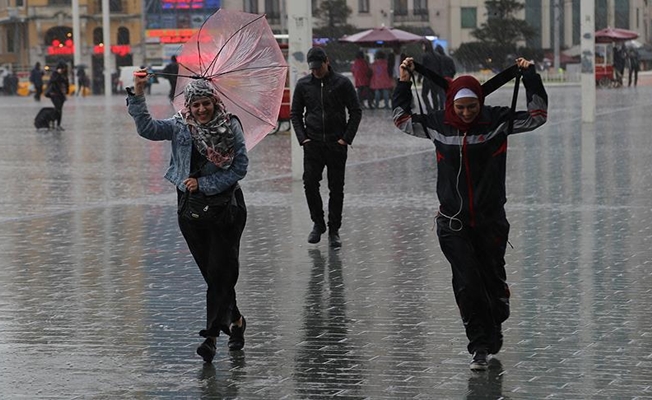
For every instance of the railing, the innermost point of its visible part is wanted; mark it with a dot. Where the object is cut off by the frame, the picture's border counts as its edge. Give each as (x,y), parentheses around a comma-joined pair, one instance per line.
(416,15)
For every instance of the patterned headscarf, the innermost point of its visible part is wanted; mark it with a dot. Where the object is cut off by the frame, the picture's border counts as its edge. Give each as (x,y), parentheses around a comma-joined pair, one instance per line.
(215,139)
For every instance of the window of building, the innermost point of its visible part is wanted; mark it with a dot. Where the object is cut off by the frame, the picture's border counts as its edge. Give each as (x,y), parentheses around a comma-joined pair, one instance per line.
(621,17)
(420,7)
(469,17)
(11,41)
(60,3)
(273,8)
(363,6)
(250,6)
(20,3)
(123,35)
(400,7)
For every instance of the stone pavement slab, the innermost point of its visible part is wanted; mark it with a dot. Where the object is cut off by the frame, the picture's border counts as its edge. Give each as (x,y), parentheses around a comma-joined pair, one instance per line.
(100,298)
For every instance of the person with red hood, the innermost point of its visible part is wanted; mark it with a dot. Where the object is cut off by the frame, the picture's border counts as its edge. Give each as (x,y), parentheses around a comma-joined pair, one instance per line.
(471,151)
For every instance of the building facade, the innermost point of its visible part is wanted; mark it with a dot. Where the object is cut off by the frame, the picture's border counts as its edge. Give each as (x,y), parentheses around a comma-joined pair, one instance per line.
(150,31)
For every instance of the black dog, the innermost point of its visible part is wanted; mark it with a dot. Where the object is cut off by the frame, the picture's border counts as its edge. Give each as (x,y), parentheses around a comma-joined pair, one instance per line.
(46,118)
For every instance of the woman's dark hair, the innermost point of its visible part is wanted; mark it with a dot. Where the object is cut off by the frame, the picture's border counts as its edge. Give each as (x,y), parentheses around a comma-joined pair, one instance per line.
(359,54)
(380,55)
(427,47)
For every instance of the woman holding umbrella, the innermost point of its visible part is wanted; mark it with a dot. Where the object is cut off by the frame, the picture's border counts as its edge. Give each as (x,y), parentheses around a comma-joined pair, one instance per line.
(209,157)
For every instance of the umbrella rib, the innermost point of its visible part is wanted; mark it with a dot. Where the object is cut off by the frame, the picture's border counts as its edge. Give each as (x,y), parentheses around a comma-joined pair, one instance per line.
(244,69)
(198,46)
(229,38)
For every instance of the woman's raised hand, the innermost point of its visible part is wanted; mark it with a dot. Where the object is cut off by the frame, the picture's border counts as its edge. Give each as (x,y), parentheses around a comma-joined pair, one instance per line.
(523,63)
(407,67)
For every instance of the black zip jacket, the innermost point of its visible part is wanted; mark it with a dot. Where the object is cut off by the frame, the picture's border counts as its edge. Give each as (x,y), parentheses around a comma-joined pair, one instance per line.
(471,166)
(325,102)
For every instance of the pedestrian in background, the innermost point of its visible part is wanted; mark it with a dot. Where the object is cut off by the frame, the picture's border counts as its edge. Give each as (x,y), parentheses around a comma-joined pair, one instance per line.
(394,60)
(208,156)
(381,82)
(36,79)
(620,58)
(319,116)
(448,70)
(634,66)
(170,72)
(428,89)
(471,145)
(82,81)
(361,77)
(57,90)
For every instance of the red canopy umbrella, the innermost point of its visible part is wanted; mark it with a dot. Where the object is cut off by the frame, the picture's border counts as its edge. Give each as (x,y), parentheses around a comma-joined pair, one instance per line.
(382,35)
(608,35)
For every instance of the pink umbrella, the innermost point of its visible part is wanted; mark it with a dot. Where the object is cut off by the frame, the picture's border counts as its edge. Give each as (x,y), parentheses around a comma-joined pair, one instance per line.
(238,54)
(608,35)
(382,35)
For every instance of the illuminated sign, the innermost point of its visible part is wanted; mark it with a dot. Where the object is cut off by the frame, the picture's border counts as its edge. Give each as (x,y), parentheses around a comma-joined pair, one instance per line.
(57,47)
(119,49)
(189,4)
(171,35)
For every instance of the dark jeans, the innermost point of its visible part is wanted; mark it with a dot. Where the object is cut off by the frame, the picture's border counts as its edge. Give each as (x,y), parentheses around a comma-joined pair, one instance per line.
(316,156)
(216,249)
(477,258)
(58,101)
(635,73)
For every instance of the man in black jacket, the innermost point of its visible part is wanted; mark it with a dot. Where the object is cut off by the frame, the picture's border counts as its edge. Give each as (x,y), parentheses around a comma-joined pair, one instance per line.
(319,116)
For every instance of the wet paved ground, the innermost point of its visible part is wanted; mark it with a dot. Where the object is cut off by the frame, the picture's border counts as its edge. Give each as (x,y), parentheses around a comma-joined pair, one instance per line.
(99,296)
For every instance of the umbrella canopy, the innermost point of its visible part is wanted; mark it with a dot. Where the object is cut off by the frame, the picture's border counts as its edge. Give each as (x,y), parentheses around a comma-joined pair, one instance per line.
(238,54)
(608,35)
(381,35)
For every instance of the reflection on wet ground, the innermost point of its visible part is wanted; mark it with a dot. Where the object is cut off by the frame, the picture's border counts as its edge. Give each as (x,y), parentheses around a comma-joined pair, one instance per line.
(99,297)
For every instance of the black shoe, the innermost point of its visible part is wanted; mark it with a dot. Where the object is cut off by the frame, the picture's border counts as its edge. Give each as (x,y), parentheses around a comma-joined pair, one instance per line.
(207,350)
(315,234)
(479,361)
(237,341)
(334,239)
(497,340)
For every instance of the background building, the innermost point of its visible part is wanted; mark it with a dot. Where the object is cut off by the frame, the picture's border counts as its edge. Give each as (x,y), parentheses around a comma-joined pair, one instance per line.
(148,32)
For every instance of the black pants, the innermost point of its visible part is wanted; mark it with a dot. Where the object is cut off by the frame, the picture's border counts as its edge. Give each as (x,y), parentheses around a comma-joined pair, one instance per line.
(477,258)
(216,250)
(332,156)
(58,101)
(635,73)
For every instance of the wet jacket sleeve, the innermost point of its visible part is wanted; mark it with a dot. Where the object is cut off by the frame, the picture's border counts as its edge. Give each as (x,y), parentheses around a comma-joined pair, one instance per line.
(296,113)
(355,113)
(146,126)
(223,179)
(409,123)
(537,103)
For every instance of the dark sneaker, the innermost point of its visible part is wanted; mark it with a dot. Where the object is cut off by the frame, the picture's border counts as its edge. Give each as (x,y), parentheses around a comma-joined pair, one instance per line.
(207,350)
(497,340)
(315,234)
(334,239)
(237,340)
(479,361)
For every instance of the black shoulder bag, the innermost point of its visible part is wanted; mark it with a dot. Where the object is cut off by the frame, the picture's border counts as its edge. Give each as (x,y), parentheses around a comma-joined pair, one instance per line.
(212,209)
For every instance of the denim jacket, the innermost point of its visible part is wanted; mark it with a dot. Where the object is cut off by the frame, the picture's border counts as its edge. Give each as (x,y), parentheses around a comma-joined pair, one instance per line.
(213,180)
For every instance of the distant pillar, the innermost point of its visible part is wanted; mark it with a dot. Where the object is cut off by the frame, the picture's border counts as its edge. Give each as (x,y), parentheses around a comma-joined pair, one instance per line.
(106,33)
(587,13)
(76,40)
(299,25)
